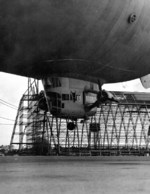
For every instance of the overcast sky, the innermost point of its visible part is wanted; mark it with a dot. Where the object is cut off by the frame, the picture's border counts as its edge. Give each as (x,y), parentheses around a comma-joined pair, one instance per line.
(12,88)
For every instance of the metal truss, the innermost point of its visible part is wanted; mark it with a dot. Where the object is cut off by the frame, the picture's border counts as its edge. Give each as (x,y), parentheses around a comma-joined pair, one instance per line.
(116,129)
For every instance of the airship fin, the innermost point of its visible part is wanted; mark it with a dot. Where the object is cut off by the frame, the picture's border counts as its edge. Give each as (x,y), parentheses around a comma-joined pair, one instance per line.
(145,80)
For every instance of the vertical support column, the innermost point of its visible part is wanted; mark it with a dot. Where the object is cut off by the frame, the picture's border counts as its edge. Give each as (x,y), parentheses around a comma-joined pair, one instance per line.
(52,138)
(21,125)
(78,137)
(67,140)
(58,136)
(82,132)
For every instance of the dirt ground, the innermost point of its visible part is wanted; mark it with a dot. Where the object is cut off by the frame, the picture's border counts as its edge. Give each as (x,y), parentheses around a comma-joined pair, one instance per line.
(74,175)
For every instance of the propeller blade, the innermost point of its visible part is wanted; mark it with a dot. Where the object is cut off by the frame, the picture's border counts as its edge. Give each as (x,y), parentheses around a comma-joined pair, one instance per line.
(99,85)
(95,104)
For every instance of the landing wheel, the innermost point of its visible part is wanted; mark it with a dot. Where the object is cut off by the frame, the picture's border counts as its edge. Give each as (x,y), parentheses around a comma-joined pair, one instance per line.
(71,126)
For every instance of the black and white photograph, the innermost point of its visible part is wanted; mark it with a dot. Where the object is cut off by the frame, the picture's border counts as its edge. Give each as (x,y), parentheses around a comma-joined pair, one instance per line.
(74,96)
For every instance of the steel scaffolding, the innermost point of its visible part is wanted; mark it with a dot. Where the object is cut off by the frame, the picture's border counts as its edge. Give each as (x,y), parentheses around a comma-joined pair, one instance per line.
(116,129)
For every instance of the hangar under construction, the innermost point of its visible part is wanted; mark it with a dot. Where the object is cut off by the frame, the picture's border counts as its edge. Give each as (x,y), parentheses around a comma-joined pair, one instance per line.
(116,129)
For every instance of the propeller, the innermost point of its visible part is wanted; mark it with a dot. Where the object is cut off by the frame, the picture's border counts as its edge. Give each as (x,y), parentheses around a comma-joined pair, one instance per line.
(102,97)
(98,101)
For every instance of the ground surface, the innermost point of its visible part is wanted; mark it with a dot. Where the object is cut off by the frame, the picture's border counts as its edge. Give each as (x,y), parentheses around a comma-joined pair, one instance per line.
(69,175)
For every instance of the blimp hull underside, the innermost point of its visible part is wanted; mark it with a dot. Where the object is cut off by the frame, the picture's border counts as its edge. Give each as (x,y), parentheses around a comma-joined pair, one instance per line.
(76,38)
